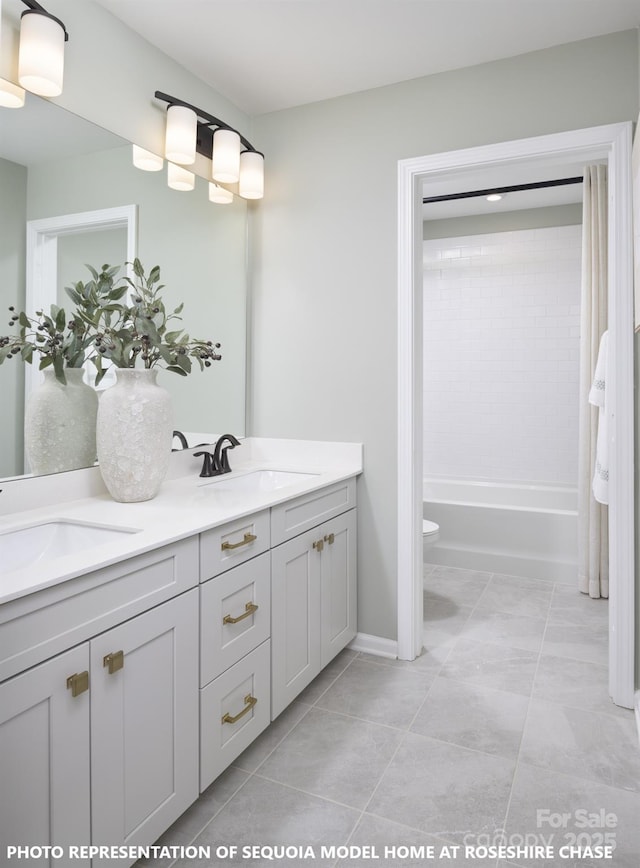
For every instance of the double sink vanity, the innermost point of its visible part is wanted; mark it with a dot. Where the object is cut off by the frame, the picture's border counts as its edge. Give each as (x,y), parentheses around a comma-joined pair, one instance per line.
(144,646)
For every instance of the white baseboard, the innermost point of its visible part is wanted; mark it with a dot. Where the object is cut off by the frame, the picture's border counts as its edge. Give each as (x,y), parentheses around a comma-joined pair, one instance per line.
(377,645)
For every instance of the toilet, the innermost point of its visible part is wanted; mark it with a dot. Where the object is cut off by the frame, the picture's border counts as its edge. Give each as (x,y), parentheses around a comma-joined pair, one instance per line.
(430,534)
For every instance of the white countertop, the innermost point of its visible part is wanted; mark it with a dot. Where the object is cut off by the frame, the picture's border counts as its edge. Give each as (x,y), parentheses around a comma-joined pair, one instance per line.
(186,505)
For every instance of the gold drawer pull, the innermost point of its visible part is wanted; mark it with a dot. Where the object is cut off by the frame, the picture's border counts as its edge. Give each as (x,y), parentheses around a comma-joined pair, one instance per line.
(248,538)
(78,683)
(249,609)
(330,538)
(114,661)
(318,545)
(249,702)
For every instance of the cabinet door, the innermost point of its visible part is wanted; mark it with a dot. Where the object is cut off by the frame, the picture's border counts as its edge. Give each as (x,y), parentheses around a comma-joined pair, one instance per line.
(295,617)
(144,723)
(44,755)
(338,584)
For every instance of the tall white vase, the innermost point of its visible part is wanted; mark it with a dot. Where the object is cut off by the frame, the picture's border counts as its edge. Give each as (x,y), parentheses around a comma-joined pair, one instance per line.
(60,424)
(134,433)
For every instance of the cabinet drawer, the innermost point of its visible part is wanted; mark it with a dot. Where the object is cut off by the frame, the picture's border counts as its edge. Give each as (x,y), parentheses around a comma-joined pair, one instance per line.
(302,513)
(36,627)
(230,544)
(234,709)
(230,626)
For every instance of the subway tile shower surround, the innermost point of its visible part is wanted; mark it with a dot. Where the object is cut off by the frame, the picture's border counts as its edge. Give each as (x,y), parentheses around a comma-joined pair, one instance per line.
(501,363)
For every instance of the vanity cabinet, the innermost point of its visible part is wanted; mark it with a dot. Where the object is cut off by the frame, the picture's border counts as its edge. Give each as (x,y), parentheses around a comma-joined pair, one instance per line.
(313,589)
(235,651)
(45,754)
(99,743)
(144,723)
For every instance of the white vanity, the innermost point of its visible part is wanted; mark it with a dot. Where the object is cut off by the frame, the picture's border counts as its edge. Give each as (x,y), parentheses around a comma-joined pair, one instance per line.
(135,669)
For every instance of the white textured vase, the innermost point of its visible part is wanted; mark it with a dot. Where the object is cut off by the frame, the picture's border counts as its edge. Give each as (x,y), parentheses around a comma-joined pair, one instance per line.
(134,433)
(60,424)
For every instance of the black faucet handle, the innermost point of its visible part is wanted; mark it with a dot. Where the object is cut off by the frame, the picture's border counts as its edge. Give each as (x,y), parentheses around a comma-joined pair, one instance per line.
(207,463)
(220,457)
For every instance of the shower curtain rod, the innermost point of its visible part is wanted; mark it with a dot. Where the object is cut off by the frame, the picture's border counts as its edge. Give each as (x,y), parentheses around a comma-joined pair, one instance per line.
(515,188)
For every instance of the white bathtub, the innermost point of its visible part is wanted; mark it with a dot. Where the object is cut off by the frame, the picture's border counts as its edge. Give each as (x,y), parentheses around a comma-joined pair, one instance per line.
(518,529)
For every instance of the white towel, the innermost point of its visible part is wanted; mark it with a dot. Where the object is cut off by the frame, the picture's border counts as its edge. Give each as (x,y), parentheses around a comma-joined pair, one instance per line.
(598,397)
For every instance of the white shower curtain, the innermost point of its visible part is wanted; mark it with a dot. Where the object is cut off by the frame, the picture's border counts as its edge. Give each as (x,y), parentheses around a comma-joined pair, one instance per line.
(593,525)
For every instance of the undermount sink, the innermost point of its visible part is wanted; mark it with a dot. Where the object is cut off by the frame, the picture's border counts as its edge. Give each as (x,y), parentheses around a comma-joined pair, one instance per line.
(52,539)
(258,481)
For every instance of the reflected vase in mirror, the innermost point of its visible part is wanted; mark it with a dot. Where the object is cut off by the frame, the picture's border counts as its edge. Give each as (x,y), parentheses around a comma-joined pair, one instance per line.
(134,433)
(60,424)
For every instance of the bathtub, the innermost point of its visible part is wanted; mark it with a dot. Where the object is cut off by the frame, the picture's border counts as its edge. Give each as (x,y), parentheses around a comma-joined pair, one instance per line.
(519,529)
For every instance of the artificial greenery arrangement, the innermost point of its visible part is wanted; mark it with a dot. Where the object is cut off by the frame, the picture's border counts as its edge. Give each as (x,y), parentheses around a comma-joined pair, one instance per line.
(105,326)
(125,332)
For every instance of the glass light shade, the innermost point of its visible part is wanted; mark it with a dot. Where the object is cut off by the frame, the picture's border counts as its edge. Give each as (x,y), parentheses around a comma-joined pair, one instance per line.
(180,141)
(219,195)
(11,96)
(179,178)
(225,157)
(251,184)
(146,160)
(41,54)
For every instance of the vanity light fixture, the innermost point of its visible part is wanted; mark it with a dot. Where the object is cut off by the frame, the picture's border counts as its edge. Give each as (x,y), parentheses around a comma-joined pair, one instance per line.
(219,195)
(146,160)
(179,178)
(41,51)
(11,96)
(233,158)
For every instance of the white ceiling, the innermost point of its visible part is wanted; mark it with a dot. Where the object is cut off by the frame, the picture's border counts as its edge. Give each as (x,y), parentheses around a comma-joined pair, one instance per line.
(266,55)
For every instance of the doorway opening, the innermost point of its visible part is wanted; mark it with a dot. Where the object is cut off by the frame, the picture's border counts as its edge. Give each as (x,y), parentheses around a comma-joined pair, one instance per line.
(441,173)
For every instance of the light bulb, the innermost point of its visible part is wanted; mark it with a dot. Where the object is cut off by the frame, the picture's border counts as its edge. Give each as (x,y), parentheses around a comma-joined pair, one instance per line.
(41,54)
(251,184)
(225,157)
(180,141)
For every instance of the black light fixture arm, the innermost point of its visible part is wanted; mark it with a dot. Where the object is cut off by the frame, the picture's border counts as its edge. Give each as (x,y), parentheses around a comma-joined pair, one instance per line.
(207,124)
(34,6)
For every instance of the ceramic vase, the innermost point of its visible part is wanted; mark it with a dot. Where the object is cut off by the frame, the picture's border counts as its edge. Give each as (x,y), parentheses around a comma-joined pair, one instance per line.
(60,424)
(134,432)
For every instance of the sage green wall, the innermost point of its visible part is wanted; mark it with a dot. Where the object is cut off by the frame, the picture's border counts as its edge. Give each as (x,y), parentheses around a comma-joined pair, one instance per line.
(13,188)
(324,307)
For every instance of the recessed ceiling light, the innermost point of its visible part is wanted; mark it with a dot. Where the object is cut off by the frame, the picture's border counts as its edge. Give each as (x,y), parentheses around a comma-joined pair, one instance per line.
(494,197)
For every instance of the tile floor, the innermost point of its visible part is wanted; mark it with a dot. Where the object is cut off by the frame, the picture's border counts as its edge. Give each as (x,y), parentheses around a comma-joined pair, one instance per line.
(501,731)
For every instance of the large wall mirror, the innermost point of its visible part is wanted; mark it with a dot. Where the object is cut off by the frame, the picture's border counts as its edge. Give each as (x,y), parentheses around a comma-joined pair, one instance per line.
(54,164)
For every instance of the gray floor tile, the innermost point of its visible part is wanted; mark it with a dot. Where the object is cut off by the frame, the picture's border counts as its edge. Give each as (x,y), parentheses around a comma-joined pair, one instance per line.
(426,660)
(540,797)
(268,814)
(192,822)
(504,628)
(578,642)
(587,744)
(480,718)
(528,597)
(333,756)
(267,741)
(462,587)
(499,666)
(379,694)
(445,616)
(445,790)
(328,675)
(569,606)
(575,683)
(396,845)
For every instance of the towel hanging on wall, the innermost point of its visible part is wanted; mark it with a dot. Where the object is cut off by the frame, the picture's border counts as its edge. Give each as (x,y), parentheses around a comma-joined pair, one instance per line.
(598,397)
